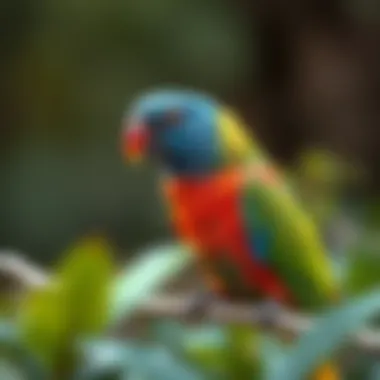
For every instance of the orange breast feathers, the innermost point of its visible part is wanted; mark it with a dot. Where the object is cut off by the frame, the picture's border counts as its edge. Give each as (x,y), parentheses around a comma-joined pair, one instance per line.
(202,209)
(202,216)
(205,214)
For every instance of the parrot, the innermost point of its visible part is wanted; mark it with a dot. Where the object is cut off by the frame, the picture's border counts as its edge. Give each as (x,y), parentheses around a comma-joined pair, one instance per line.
(228,200)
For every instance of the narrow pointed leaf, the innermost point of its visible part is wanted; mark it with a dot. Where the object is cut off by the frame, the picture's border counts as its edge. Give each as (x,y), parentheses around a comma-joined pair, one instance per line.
(43,323)
(86,275)
(272,352)
(8,334)
(146,361)
(14,354)
(363,264)
(144,277)
(329,332)
(242,353)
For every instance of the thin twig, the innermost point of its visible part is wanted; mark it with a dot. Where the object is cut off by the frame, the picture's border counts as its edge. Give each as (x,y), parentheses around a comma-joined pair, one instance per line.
(170,306)
(177,306)
(15,265)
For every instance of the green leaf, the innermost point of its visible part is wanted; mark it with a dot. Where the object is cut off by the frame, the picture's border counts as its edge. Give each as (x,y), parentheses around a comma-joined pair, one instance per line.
(372,214)
(157,362)
(375,372)
(232,352)
(272,353)
(14,355)
(43,323)
(209,359)
(73,304)
(104,360)
(127,358)
(9,370)
(86,275)
(199,346)
(242,354)
(8,305)
(363,265)
(144,277)
(360,366)
(318,345)
(8,334)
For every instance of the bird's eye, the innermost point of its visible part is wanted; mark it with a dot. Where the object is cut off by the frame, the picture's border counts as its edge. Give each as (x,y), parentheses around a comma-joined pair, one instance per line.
(167,119)
(173,117)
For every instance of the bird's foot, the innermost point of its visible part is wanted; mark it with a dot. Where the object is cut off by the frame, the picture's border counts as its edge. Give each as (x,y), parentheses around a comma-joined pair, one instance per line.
(197,306)
(269,313)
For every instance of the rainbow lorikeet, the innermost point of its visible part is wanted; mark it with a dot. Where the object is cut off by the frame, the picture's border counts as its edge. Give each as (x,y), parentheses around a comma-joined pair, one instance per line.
(229,201)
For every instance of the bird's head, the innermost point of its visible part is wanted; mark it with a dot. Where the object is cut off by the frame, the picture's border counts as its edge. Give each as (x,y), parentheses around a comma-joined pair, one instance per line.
(188,133)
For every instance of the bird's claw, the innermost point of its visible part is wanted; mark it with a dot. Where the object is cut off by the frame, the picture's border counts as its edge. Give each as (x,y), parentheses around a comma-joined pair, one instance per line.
(197,306)
(269,312)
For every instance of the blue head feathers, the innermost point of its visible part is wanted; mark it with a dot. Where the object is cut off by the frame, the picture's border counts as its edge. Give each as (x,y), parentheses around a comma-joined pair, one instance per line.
(180,130)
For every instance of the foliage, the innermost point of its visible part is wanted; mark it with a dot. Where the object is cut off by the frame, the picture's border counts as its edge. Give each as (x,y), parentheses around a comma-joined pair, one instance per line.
(62,328)
(319,343)
(363,257)
(69,68)
(144,276)
(57,323)
(322,179)
(72,305)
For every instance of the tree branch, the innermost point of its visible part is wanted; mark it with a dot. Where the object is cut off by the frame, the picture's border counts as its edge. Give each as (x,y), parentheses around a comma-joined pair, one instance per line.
(14,265)
(176,306)
(170,306)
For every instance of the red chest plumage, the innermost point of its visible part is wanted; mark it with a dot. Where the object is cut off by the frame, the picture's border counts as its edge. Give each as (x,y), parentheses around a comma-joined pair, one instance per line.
(206,214)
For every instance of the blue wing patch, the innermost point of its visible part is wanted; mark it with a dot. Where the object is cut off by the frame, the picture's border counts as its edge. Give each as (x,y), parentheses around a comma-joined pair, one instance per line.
(259,236)
(261,244)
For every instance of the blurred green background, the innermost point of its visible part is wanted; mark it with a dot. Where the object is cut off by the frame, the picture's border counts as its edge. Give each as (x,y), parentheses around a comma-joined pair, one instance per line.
(299,72)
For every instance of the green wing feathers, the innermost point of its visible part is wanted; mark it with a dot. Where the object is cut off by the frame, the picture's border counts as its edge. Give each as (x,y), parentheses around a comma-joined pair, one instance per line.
(294,250)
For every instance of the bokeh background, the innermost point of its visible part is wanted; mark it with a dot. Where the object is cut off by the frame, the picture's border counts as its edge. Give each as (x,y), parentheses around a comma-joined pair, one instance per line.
(300,72)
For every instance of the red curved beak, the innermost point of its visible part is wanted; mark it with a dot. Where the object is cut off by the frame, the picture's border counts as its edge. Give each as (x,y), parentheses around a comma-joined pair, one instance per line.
(135,142)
